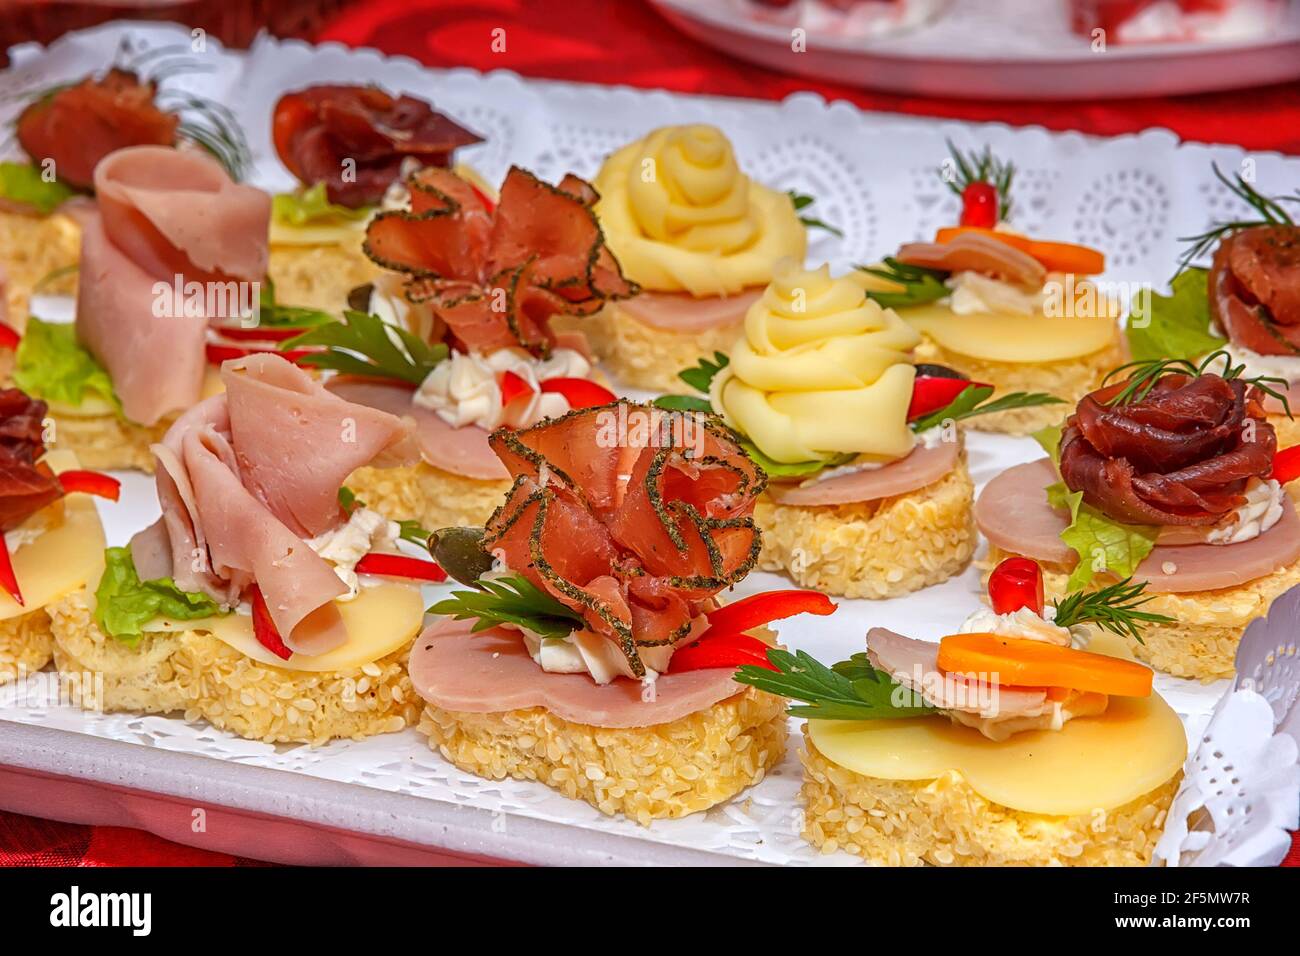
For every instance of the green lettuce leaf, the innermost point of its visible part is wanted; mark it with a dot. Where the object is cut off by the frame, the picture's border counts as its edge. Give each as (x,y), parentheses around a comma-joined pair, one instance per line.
(1178,325)
(1049,439)
(798,469)
(1100,542)
(312,206)
(125,603)
(49,364)
(22,182)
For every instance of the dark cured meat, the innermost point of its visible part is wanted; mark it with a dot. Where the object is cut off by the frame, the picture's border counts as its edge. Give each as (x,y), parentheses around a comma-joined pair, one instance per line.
(626,525)
(1255,289)
(25,486)
(498,276)
(317,129)
(80,125)
(1180,456)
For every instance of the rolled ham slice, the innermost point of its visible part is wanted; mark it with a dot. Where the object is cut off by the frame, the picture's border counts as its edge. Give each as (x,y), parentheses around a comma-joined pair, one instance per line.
(165,218)
(680,312)
(490,672)
(972,252)
(922,466)
(461,451)
(1013,513)
(914,664)
(235,505)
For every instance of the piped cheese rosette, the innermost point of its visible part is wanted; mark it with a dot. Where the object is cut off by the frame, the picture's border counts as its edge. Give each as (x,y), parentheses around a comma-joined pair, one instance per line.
(682,217)
(821,371)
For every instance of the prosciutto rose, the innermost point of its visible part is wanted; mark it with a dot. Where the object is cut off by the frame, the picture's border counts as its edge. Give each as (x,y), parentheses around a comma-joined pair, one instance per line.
(1181,453)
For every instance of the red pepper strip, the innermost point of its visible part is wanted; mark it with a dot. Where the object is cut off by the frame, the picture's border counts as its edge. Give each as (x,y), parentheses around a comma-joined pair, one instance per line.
(9,337)
(1016,583)
(258,333)
(91,483)
(400,566)
(579,392)
(759,609)
(933,392)
(720,650)
(1286,464)
(9,580)
(264,628)
(224,353)
(512,386)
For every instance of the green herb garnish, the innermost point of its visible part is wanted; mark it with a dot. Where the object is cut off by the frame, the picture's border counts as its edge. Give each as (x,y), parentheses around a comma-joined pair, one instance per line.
(977,400)
(366,345)
(312,205)
(274,315)
(980,167)
(1113,608)
(851,690)
(919,285)
(24,183)
(511,599)
(802,201)
(1271,213)
(701,375)
(1141,377)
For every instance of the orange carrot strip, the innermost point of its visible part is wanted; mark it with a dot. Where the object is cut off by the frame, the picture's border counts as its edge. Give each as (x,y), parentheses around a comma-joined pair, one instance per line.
(1017,661)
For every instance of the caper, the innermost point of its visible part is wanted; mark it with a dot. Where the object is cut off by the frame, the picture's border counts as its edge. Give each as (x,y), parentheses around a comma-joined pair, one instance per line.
(359,297)
(460,552)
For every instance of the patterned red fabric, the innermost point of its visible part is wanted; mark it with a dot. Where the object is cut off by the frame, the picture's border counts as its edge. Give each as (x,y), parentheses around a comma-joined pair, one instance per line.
(624,41)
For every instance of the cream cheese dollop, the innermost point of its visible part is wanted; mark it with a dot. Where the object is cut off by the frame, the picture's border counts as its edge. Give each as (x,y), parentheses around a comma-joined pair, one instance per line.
(465,388)
(363,532)
(681,216)
(821,370)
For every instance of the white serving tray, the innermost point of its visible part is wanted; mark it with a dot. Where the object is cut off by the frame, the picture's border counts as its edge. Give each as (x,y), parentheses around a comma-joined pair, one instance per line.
(390,798)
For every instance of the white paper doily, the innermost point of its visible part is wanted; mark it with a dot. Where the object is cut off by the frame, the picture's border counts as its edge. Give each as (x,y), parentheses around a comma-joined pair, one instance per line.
(873,176)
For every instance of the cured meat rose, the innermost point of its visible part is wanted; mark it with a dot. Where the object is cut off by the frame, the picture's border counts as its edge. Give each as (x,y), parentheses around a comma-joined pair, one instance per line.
(243,477)
(497,277)
(318,129)
(25,486)
(78,126)
(631,515)
(165,217)
(1182,455)
(1255,289)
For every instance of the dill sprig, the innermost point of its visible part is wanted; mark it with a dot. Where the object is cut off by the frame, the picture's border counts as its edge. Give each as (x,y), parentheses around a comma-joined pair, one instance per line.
(981,166)
(1270,209)
(1113,608)
(1141,377)
(920,285)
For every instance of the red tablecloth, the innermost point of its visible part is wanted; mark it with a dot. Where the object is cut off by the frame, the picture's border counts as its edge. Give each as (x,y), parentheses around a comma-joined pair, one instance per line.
(624,41)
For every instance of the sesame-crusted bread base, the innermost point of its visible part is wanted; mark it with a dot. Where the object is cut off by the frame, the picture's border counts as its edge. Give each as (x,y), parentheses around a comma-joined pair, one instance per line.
(104,442)
(1202,642)
(944,822)
(31,247)
(429,495)
(197,674)
(873,549)
(641,356)
(649,773)
(1069,380)
(26,644)
(319,277)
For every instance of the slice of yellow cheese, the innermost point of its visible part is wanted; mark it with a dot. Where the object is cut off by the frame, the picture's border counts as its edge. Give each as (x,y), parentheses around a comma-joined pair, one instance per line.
(1092,763)
(1026,339)
(379,621)
(65,557)
(344,233)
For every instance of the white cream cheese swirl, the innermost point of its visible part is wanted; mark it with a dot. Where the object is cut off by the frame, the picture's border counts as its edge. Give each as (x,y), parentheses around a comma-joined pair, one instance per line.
(820,371)
(465,389)
(681,216)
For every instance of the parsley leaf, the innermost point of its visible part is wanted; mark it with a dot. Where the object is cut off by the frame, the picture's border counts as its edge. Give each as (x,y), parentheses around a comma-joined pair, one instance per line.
(802,201)
(683,403)
(367,345)
(272,313)
(851,690)
(975,400)
(511,600)
(919,285)
(700,376)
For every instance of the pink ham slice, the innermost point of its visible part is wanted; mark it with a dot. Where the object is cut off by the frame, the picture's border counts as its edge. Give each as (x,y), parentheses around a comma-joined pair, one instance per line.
(679,312)
(224,530)
(491,672)
(972,252)
(461,451)
(915,664)
(1012,512)
(165,216)
(923,466)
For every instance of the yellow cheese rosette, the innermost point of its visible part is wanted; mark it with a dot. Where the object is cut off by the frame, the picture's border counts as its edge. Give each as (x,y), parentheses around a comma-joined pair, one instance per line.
(821,371)
(681,216)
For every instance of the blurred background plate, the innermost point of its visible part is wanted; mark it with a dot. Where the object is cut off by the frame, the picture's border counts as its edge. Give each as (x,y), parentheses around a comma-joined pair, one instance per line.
(993,49)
